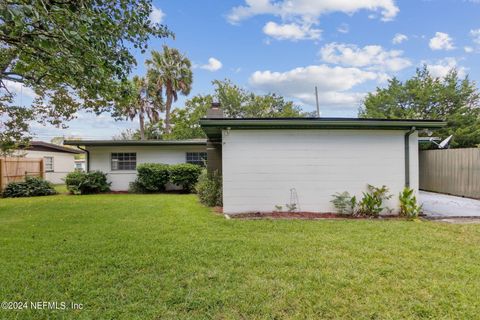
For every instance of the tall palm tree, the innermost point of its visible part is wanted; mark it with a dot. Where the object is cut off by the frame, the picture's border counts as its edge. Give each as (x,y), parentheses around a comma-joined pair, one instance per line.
(142,104)
(170,72)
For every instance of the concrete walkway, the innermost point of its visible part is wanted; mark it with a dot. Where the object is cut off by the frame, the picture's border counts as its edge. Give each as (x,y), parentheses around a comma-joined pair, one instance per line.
(442,205)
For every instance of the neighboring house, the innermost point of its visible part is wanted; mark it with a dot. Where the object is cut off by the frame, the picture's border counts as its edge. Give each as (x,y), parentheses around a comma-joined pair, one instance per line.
(119,158)
(80,165)
(58,160)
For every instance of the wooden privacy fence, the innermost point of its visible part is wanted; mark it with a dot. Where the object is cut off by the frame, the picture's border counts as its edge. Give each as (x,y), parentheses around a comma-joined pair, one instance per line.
(17,168)
(452,171)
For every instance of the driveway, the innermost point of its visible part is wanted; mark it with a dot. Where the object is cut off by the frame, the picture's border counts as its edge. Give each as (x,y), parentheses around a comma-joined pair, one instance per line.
(442,205)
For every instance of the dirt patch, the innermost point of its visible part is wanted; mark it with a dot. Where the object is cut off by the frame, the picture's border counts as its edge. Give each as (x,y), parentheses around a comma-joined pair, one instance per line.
(303,216)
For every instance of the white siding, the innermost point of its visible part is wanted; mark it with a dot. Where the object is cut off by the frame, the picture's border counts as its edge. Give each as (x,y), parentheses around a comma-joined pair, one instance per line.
(63,163)
(100,159)
(261,166)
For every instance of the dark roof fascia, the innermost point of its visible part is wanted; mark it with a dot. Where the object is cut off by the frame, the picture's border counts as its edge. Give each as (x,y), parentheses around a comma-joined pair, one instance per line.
(107,143)
(50,147)
(213,126)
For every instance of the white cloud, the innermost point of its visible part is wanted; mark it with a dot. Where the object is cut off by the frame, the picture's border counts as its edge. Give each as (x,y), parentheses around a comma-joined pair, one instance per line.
(343,28)
(212,65)
(441,67)
(333,84)
(475,33)
(399,38)
(372,56)
(310,11)
(291,31)
(468,49)
(157,15)
(441,41)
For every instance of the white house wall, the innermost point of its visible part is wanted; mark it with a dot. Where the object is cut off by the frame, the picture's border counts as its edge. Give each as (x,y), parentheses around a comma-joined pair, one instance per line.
(100,159)
(63,163)
(260,167)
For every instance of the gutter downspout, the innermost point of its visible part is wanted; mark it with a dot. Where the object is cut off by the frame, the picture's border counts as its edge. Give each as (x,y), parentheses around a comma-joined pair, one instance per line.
(407,156)
(88,157)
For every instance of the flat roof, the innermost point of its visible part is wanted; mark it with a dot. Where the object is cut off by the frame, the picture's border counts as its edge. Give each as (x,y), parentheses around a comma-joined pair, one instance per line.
(214,126)
(193,142)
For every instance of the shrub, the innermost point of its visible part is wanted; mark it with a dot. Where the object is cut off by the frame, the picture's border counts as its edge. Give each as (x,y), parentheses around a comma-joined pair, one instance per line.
(152,177)
(31,187)
(409,207)
(87,182)
(136,187)
(372,201)
(209,189)
(344,203)
(185,175)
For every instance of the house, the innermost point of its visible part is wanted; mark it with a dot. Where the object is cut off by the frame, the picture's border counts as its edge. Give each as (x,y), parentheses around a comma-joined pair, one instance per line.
(58,160)
(269,162)
(119,158)
(273,162)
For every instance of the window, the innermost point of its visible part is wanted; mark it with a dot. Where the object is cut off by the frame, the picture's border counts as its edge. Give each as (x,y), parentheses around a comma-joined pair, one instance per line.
(124,161)
(199,158)
(48,161)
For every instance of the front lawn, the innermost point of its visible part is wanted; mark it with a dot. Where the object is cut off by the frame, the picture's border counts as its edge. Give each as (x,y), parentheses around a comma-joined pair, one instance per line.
(167,257)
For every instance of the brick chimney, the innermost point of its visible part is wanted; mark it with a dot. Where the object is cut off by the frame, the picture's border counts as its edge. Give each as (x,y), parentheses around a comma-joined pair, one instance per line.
(215,111)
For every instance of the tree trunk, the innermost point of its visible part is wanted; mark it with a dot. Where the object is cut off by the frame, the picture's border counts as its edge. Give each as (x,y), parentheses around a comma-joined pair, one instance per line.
(168,106)
(142,125)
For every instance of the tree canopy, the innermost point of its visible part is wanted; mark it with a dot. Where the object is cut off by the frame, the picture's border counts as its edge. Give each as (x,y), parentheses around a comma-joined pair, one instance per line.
(455,100)
(235,102)
(73,54)
(170,72)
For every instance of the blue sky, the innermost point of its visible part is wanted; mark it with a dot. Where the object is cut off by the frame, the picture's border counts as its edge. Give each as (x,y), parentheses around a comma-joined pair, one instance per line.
(345,47)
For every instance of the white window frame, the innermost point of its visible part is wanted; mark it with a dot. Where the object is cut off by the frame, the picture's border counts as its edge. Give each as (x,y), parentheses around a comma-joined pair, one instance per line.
(115,163)
(188,158)
(46,164)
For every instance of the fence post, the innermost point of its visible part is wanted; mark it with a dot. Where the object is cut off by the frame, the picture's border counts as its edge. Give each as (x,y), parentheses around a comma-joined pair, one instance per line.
(1,174)
(42,169)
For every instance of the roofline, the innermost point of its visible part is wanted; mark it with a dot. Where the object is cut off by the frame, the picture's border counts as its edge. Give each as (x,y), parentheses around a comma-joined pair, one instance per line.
(322,122)
(54,147)
(107,143)
(213,126)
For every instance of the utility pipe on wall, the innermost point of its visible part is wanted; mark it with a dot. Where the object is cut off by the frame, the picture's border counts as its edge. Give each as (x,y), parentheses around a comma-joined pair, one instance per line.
(407,156)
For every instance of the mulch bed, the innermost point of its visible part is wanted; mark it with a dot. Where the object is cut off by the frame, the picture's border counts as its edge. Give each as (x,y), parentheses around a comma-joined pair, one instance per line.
(302,215)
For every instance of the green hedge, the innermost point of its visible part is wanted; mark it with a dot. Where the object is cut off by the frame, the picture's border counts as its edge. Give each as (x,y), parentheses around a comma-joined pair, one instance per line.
(209,189)
(87,182)
(31,187)
(185,175)
(152,177)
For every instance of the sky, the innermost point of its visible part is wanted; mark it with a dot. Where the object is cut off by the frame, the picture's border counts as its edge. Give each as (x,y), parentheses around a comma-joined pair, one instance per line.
(346,48)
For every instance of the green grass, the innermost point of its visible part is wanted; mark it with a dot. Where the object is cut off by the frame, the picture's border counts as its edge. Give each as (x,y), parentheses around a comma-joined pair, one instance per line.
(61,188)
(167,257)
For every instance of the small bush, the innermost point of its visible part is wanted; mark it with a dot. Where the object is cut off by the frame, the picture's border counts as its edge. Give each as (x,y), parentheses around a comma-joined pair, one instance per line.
(344,203)
(409,207)
(185,175)
(136,187)
(152,177)
(87,182)
(31,187)
(209,189)
(372,201)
